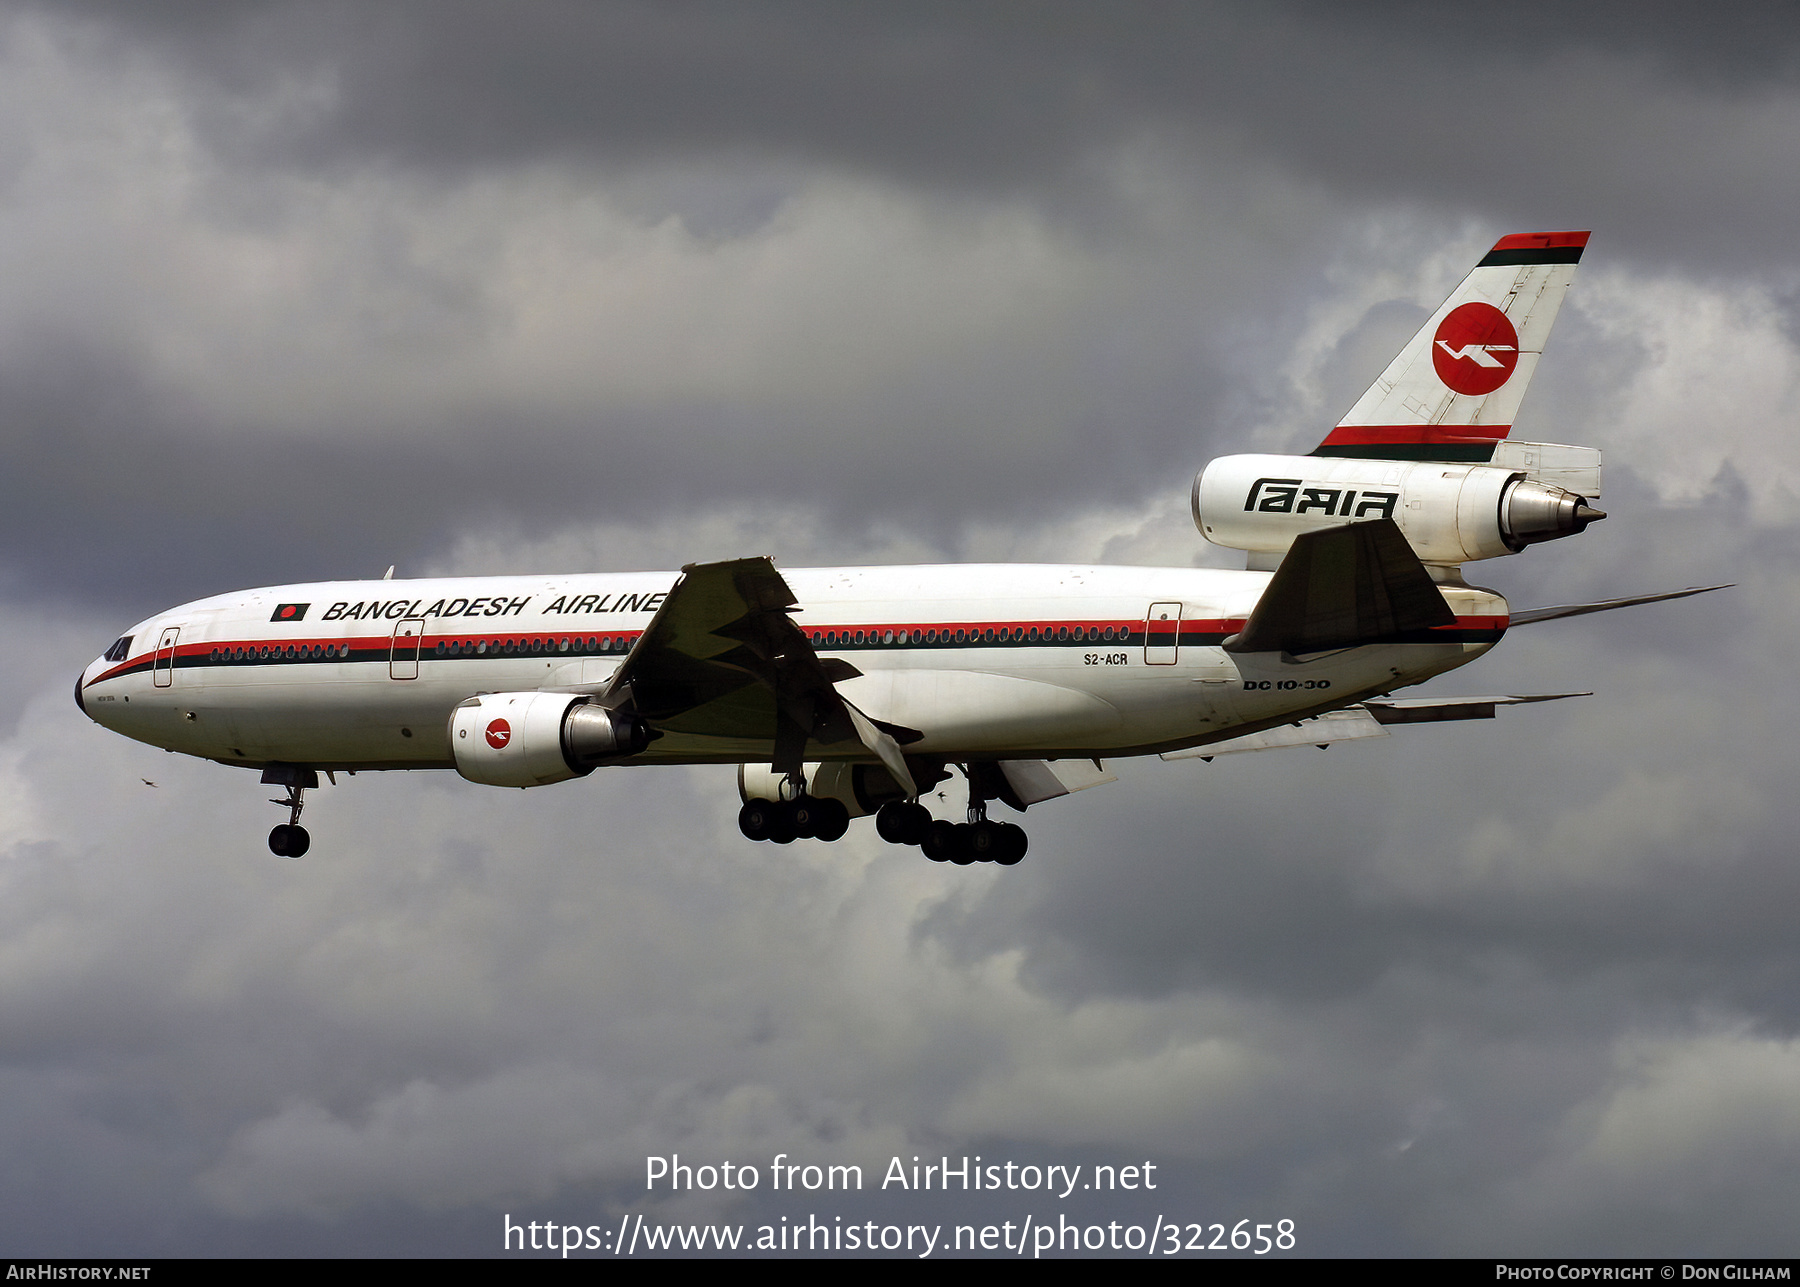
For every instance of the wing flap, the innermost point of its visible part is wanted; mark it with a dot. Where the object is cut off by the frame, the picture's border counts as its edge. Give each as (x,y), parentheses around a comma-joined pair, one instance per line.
(1436,710)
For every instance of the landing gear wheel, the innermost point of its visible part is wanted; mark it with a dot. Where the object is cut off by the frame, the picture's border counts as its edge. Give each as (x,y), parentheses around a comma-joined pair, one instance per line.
(831,819)
(1013,842)
(289,840)
(894,823)
(963,842)
(901,823)
(754,819)
(816,819)
(985,840)
(940,843)
(782,828)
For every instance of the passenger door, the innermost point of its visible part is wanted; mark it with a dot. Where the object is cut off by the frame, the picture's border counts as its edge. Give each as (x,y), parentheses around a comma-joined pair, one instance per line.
(403,654)
(1162,634)
(162,670)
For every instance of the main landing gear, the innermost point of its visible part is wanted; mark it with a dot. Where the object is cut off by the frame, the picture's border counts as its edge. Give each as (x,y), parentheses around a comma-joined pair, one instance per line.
(290,839)
(796,816)
(977,840)
(799,816)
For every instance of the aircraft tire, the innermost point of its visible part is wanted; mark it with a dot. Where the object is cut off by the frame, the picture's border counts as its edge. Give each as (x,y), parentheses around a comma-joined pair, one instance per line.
(782,829)
(941,842)
(894,824)
(754,818)
(986,841)
(805,813)
(919,822)
(289,841)
(1013,844)
(830,820)
(963,852)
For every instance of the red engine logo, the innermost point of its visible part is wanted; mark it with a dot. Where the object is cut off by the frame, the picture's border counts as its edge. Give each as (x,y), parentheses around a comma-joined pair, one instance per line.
(1475,349)
(499,733)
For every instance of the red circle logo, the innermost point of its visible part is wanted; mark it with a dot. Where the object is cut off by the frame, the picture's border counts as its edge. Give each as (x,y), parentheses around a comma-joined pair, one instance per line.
(1475,349)
(499,733)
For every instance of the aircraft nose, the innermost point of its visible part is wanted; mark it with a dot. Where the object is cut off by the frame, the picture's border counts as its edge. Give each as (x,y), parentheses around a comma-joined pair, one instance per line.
(79,701)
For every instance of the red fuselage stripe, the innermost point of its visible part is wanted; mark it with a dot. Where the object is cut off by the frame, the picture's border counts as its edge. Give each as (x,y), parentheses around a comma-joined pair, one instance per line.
(1125,633)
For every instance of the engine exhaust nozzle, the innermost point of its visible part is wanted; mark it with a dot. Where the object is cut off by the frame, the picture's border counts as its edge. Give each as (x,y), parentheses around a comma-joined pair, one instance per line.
(1534,512)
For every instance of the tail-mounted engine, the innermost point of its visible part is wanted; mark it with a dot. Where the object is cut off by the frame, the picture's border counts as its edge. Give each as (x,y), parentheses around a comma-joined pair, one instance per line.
(1449,513)
(532,739)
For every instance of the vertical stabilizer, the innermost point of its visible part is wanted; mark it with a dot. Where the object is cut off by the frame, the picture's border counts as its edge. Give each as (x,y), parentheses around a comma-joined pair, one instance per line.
(1456,386)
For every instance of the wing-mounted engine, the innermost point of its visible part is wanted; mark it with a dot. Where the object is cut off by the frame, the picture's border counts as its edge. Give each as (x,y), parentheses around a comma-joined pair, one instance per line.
(1449,512)
(533,739)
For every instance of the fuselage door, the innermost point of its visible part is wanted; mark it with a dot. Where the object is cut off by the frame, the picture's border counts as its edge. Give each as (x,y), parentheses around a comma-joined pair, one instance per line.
(162,670)
(1162,634)
(403,656)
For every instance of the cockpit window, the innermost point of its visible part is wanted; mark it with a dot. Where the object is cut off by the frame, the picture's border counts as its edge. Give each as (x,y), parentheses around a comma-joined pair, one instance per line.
(120,650)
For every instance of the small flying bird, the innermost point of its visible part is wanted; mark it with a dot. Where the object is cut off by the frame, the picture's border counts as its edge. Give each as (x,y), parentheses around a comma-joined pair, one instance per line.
(147,782)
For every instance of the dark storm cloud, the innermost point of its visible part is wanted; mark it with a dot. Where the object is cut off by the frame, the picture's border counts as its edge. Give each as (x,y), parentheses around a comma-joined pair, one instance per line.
(114,459)
(1295,121)
(1641,119)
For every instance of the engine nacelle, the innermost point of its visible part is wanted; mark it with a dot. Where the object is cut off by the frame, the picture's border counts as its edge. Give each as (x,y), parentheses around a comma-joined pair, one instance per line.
(860,788)
(1450,513)
(533,739)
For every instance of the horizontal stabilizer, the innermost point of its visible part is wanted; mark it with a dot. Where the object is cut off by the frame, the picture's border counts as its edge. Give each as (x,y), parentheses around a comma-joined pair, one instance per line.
(1530,615)
(1333,726)
(1341,587)
(1370,719)
(1436,710)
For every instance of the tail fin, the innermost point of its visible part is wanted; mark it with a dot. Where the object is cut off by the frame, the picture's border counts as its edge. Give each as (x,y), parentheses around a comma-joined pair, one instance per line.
(1453,391)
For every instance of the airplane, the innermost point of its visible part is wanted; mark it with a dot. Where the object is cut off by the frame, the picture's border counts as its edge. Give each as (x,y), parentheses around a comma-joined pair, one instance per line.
(846,692)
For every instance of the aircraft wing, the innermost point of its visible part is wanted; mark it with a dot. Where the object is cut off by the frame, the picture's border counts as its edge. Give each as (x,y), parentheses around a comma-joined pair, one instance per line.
(722,657)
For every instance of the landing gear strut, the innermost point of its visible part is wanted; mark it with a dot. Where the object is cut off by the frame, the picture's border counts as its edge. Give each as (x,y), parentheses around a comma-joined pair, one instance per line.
(290,839)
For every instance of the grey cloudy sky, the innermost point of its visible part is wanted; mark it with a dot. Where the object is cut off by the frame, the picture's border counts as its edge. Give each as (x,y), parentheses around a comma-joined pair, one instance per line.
(300,290)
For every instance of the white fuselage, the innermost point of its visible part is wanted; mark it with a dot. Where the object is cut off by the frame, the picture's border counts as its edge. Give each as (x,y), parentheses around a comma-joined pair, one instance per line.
(988,662)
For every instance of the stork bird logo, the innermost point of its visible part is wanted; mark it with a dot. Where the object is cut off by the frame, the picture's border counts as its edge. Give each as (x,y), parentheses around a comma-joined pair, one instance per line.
(499,733)
(1475,349)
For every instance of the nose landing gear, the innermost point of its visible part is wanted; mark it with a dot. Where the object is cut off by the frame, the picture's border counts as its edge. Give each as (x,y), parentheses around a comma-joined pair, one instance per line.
(290,839)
